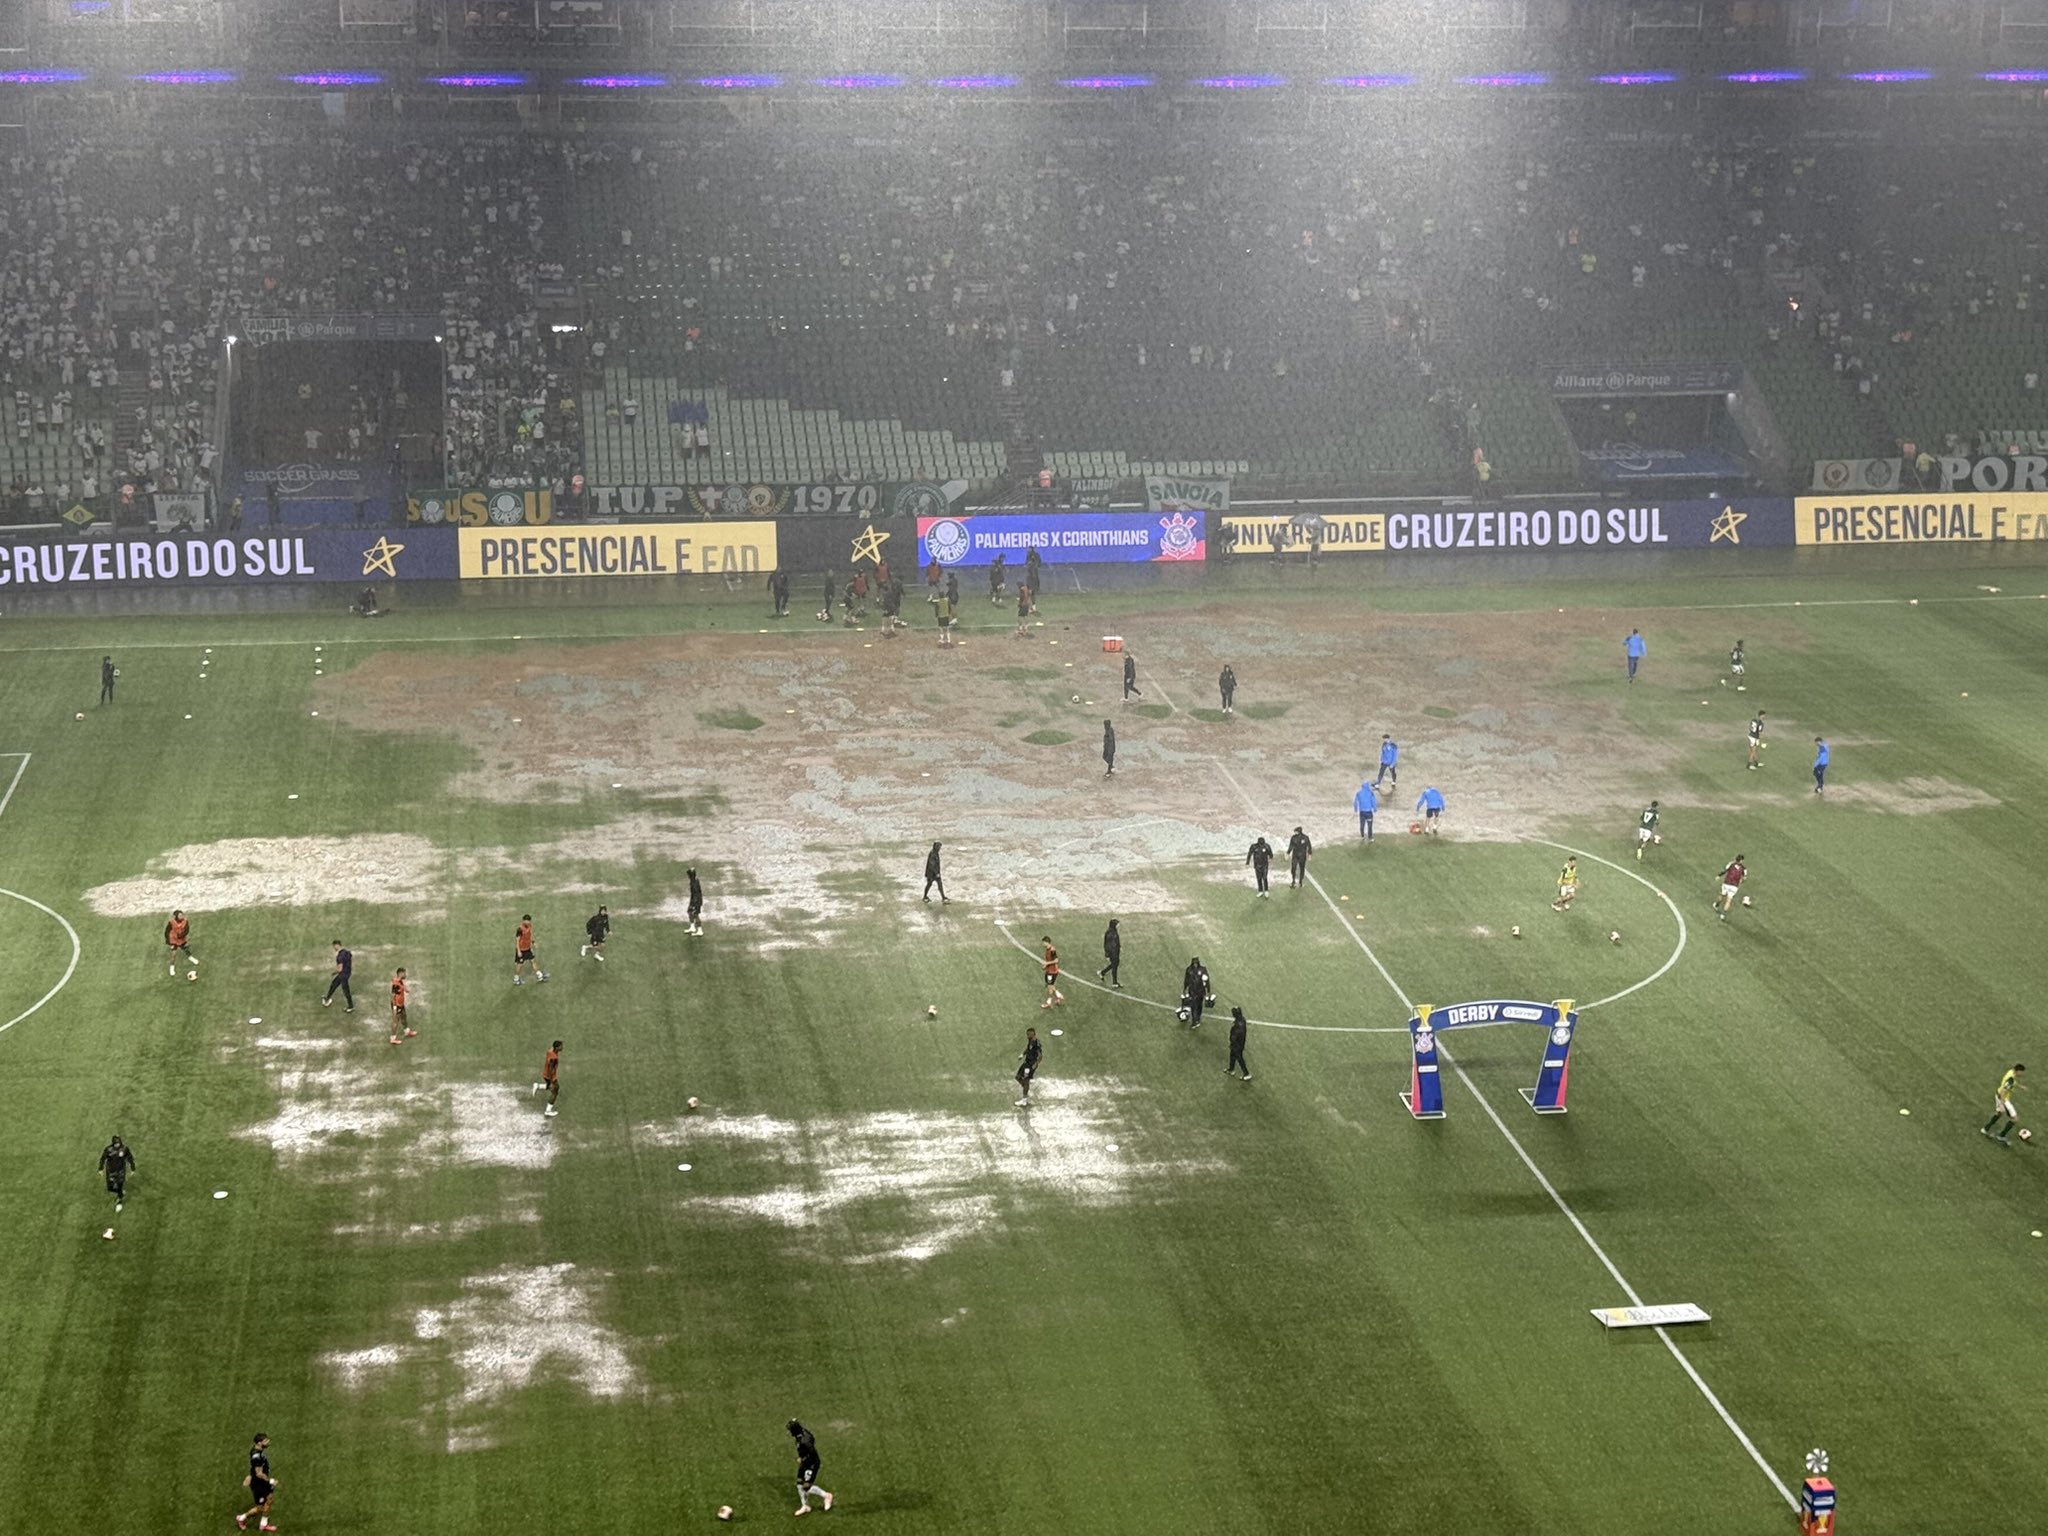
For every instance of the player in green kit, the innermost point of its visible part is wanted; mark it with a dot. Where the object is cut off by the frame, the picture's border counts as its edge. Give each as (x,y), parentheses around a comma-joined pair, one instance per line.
(1646,828)
(2001,1107)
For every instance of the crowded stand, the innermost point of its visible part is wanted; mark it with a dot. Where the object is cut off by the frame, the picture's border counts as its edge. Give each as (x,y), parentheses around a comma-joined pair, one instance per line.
(896,299)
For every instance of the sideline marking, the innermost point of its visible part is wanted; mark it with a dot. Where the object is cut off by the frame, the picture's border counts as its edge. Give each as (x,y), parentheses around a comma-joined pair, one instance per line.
(387,639)
(1549,1189)
(69,970)
(1117,992)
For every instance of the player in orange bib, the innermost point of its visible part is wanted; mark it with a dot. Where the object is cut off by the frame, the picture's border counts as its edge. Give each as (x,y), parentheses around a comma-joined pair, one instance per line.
(550,1076)
(1052,974)
(176,934)
(522,952)
(399,1028)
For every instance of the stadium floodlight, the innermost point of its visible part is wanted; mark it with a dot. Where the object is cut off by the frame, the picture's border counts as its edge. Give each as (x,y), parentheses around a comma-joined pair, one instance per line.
(335,80)
(1644,77)
(1371,82)
(2016,76)
(1241,82)
(621,82)
(740,82)
(1889,76)
(476,82)
(187,77)
(41,76)
(1526,78)
(1765,76)
(973,82)
(859,82)
(1107,82)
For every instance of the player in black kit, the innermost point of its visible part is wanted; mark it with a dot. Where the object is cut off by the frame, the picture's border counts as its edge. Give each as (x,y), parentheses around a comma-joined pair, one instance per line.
(344,968)
(261,1486)
(1027,1065)
(696,906)
(1112,955)
(1194,993)
(1298,850)
(1260,857)
(1237,1034)
(806,1469)
(117,1162)
(596,931)
(932,876)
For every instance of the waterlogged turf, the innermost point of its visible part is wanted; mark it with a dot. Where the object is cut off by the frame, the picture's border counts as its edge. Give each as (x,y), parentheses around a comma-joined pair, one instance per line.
(1159,1299)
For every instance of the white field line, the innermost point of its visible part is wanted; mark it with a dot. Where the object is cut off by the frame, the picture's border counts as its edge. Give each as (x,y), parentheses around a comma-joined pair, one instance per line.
(72,932)
(1654,890)
(1549,1189)
(386,638)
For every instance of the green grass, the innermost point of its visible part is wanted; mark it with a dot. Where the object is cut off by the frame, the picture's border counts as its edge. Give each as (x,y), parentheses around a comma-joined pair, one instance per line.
(1438,712)
(1269,711)
(730,719)
(1049,738)
(1152,711)
(1280,1306)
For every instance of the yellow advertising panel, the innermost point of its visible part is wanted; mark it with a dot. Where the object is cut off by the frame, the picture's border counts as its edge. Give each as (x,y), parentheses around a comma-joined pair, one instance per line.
(1929,518)
(1242,535)
(617,549)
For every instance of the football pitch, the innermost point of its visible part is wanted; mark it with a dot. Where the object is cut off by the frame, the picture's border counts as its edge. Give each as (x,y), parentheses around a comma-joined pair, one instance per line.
(1160,1298)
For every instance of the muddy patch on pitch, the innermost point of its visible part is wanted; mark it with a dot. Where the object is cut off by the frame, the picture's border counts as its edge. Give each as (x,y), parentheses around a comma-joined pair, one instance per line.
(904,1187)
(506,1331)
(1924,796)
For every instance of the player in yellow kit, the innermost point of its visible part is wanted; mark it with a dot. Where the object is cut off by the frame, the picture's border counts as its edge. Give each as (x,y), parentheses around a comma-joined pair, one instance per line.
(2001,1107)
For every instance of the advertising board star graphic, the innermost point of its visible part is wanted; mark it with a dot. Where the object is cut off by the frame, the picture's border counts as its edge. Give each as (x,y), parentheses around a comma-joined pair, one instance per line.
(1728,526)
(867,544)
(378,557)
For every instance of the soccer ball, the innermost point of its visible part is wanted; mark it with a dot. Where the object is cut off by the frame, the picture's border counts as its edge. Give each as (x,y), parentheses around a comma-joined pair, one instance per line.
(1183,1014)
(932,1012)
(1816,1462)
(1657,837)
(691,1101)
(1077,698)
(1747,902)
(1614,937)
(725,1511)
(79,716)
(192,975)
(1514,933)
(2025,1134)
(1414,826)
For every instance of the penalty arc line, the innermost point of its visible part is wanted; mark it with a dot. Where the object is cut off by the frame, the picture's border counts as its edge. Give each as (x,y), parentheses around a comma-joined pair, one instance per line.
(62,921)
(1537,1173)
(1623,869)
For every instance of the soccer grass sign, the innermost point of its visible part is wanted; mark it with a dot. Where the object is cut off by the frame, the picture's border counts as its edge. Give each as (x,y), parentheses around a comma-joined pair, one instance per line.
(645,549)
(1425,1095)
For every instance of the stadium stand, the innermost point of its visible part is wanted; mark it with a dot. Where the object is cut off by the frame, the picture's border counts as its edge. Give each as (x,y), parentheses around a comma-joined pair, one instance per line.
(873,299)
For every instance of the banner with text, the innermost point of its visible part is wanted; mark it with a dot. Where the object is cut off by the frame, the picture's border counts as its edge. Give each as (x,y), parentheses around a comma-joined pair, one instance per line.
(646,549)
(868,499)
(319,554)
(1062,538)
(1636,379)
(1397,528)
(261,330)
(1187,493)
(1618,463)
(315,493)
(1950,519)
(477,509)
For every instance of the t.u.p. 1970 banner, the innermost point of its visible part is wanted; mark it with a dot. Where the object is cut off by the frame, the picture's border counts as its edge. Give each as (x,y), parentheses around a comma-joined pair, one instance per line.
(1063,538)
